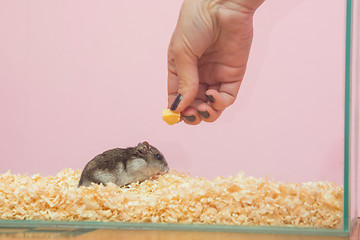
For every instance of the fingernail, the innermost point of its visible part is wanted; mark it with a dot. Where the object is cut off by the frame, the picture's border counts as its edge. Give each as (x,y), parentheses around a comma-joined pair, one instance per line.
(211,98)
(190,118)
(204,114)
(176,102)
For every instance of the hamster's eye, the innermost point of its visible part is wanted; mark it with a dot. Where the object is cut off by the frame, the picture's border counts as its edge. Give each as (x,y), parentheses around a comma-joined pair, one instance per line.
(158,156)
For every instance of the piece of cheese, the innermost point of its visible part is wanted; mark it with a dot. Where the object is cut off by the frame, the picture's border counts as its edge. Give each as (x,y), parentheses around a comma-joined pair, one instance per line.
(170,117)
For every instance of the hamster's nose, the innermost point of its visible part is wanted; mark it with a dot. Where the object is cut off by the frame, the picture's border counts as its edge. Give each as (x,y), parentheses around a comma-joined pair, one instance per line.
(165,169)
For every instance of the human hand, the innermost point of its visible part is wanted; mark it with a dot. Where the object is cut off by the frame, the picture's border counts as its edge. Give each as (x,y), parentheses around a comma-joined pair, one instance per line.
(207,56)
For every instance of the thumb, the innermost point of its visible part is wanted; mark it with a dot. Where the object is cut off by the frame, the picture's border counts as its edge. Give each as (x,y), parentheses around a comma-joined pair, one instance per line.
(187,79)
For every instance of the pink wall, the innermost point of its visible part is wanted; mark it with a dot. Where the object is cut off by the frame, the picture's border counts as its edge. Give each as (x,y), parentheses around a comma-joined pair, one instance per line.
(80,77)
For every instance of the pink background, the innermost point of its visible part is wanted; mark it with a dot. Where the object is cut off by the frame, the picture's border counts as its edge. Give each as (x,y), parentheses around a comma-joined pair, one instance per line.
(80,77)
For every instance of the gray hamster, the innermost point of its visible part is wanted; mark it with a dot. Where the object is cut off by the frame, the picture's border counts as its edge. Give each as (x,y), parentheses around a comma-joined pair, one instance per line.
(124,166)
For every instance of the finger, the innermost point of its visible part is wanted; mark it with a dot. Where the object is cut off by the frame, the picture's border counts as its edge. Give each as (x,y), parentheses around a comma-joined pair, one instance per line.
(187,78)
(215,72)
(219,100)
(173,85)
(191,116)
(173,81)
(192,110)
(207,113)
(203,87)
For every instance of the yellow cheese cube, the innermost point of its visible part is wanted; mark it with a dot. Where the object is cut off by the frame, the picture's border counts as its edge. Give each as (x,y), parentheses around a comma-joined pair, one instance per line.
(170,117)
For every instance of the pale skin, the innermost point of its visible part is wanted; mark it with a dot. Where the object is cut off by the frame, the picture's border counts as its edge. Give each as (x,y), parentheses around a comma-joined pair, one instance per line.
(207,56)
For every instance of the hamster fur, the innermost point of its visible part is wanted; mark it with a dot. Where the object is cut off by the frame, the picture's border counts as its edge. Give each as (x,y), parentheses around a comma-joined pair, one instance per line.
(124,166)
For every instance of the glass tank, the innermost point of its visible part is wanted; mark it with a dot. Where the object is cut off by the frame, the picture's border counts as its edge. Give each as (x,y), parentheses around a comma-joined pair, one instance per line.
(80,79)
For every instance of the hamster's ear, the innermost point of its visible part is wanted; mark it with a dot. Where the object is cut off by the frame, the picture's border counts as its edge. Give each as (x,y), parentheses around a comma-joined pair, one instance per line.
(144,147)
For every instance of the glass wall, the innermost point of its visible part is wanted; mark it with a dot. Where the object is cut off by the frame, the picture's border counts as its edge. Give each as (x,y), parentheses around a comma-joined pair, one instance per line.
(354,126)
(79,79)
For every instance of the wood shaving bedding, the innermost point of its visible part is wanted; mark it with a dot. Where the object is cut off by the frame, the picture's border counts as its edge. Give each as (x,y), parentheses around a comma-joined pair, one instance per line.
(172,198)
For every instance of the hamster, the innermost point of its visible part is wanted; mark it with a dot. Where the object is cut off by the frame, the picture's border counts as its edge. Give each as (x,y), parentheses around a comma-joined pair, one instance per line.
(124,166)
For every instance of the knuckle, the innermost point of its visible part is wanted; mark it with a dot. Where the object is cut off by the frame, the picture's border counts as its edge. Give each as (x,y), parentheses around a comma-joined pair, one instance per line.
(177,50)
(186,83)
(231,100)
